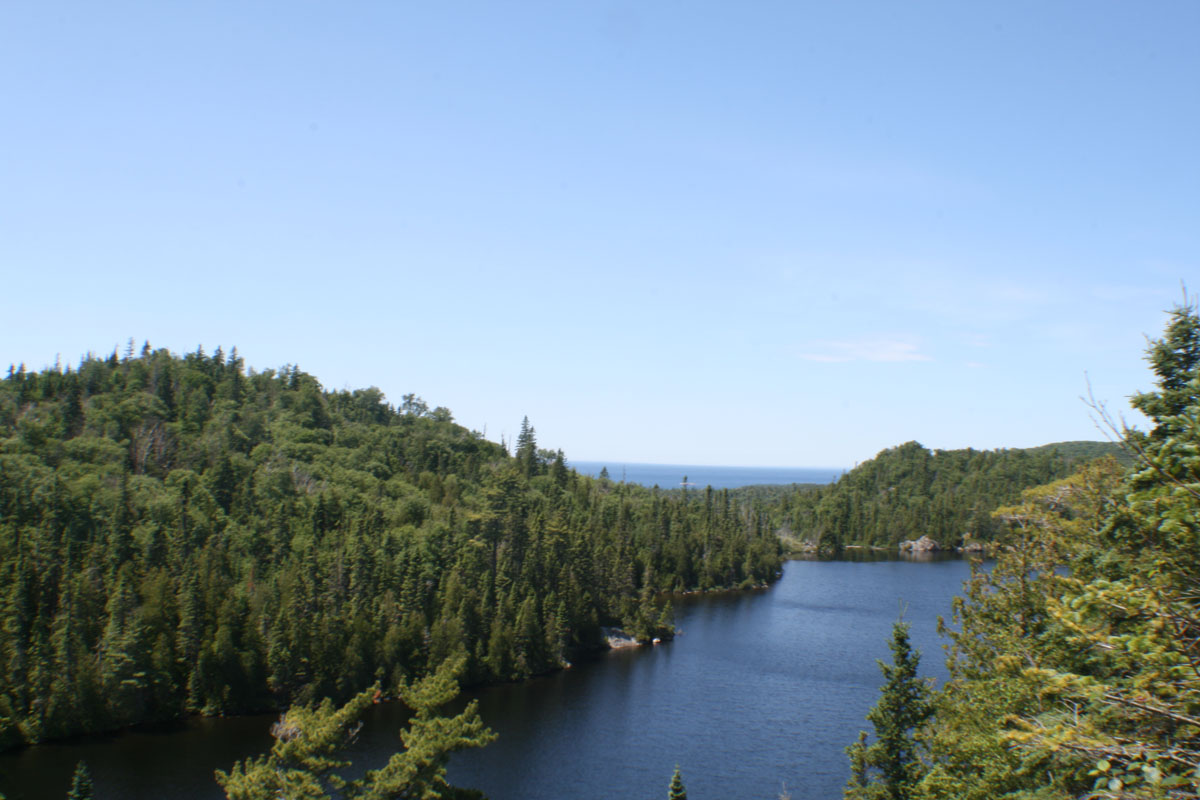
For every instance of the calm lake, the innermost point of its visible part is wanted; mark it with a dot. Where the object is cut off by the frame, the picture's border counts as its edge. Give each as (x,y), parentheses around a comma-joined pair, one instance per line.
(761,691)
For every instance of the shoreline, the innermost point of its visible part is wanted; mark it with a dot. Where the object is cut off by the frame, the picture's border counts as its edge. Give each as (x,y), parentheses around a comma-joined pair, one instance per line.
(185,719)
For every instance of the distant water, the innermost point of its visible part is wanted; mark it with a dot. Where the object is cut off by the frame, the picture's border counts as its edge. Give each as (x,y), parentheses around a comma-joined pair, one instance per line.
(670,476)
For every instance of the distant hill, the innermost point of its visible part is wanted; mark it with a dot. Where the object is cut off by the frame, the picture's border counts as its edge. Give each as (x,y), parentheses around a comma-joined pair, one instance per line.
(1085,451)
(910,491)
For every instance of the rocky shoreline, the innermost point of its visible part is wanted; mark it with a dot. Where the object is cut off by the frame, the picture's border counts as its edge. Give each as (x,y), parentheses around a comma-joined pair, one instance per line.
(922,545)
(617,638)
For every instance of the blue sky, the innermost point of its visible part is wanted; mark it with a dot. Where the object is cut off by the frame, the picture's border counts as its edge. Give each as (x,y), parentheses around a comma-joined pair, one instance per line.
(714,233)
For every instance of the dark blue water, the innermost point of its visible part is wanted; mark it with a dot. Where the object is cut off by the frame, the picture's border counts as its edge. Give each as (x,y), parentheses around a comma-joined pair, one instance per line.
(670,476)
(761,690)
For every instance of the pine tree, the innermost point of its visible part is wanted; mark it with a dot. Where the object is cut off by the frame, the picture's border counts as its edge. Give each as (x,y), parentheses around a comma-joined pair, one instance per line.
(306,760)
(1175,359)
(81,783)
(558,470)
(527,448)
(1058,671)
(890,768)
(677,790)
(858,761)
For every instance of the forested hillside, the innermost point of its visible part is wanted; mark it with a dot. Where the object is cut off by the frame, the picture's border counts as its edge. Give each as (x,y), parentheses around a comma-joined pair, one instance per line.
(180,534)
(1079,452)
(1075,670)
(910,491)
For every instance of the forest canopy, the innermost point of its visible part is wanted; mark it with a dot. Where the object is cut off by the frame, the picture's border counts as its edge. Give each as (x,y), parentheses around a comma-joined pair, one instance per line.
(181,534)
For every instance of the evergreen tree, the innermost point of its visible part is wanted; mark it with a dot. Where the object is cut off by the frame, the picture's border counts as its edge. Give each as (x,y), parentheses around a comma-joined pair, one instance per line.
(677,790)
(1075,671)
(306,759)
(558,469)
(858,761)
(893,767)
(1175,359)
(81,783)
(526,453)
(1007,636)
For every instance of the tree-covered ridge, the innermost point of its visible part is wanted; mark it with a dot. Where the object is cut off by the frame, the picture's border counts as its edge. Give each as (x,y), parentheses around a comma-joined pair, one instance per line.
(910,491)
(182,534)
(1078,452)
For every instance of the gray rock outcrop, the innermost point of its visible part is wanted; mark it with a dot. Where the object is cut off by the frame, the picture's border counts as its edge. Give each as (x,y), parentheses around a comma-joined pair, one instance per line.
(922,545)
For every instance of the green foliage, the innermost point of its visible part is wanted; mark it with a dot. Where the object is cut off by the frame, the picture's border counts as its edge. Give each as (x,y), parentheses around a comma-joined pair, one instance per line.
(81,783)
(909,491)
(1175,359)
(179,534)
(1076,672)
(676,790)
(889,767)
(1082,452)
(305,761)
(1007,633)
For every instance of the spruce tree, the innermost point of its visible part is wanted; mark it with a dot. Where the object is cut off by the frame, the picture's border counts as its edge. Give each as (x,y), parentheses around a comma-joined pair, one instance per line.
(81,783)
(308,756)
(677,791)
(858,761)
(889,768)
(527,448)
(1175,359)
(1070,683)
